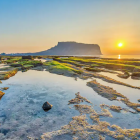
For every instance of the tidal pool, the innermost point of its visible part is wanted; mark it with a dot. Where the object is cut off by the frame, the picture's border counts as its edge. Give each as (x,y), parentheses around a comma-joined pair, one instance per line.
(130,81)
(3,66)
(21,112)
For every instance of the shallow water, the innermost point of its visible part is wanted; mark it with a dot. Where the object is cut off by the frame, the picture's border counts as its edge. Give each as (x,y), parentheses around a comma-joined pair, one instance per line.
(21,112)
(42,60)
(121,56)
(130,81)
(131,93)
(3,66)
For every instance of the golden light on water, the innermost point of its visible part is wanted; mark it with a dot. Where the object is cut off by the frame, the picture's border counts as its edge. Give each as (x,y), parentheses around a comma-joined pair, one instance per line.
(120,44)
(119,56)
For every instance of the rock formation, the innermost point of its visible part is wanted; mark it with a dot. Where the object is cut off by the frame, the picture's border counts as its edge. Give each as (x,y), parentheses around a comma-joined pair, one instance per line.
(72,48)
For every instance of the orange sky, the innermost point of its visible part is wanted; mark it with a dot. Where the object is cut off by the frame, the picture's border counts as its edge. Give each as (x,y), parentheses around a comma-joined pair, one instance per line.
(28,26)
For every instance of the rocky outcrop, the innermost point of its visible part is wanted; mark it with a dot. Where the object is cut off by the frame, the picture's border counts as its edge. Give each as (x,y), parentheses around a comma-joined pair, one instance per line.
(125,75)
(72,48)
(9,72)
(1,94)
(27,57)
(105,91)
(135,74)
(16,65)
(78,99)
(5,88)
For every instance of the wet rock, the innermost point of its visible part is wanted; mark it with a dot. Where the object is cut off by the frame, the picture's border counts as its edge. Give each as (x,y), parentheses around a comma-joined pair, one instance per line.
(135,106)
(16,65)
(104,91)
(39,57)
(8,73)
(27,57)
(47,106)
(26,67)
(24,70)
(92,69)
(1,94)
(19,68)
(115,108)
(78,99)
(136,70)
(125,75)
(5,88)
(38,64)
(60,71)
(136,74)
(38,68)
(108,79)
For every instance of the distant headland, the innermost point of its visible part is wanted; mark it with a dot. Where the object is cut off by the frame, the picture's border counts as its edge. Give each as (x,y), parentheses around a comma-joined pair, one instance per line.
(69,48)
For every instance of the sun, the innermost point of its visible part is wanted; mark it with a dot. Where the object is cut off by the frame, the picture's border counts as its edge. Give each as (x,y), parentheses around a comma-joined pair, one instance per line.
(120,45)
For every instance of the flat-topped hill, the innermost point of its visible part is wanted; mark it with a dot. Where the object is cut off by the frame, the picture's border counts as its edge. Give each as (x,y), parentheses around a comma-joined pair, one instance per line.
(72,48)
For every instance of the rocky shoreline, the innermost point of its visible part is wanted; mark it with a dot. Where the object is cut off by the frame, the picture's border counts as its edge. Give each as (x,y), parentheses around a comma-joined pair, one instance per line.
(69,70)
(79,128)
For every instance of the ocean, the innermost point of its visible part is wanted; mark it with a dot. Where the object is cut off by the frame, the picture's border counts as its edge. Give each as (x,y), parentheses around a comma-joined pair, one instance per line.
(121,56)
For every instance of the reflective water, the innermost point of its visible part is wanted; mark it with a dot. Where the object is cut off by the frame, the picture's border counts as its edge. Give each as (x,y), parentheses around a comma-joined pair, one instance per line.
(42,60)
(121,56)
(3,66)
(21,112)
(130,81)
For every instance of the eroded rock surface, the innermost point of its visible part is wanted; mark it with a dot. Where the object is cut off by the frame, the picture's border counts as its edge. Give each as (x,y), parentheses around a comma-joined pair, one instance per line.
(1,94)
(126,75)
(9,72)
(5,88)
(78,99)
(112,94)
(105,91)
(80,129)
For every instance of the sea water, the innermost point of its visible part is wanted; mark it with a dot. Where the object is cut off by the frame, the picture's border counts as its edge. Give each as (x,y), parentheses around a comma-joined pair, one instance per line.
(21,112)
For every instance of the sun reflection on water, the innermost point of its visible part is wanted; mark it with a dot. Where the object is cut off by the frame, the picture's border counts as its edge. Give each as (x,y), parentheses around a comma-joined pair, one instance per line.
(119,56)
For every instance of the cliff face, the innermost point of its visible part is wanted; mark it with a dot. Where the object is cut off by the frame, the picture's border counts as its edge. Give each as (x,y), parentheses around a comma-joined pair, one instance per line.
(72,48)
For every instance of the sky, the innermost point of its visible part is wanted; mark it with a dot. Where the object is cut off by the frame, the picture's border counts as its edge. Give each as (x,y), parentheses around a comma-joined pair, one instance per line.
(37,25)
